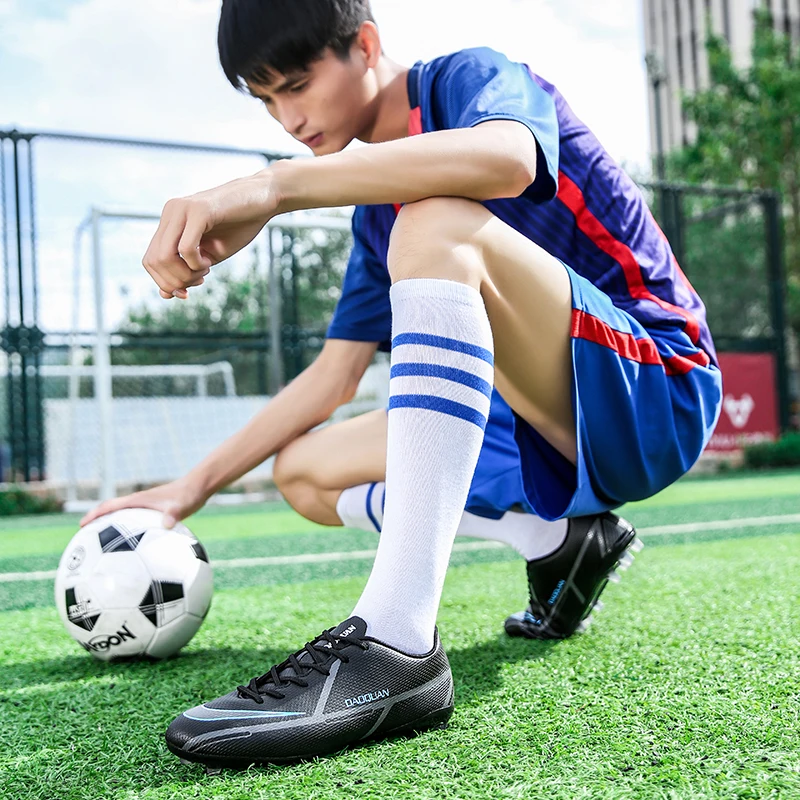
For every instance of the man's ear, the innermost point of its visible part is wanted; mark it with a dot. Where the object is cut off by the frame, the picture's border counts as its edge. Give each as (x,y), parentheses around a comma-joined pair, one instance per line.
(368,43)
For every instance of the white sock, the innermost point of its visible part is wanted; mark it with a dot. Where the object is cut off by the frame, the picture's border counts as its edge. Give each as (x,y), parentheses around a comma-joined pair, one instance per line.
(362,506)
(531,536)
(439,396)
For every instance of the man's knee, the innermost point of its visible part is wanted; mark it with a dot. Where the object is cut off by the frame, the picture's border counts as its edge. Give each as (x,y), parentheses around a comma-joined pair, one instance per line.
(292,478)
(286,469)
(438,238)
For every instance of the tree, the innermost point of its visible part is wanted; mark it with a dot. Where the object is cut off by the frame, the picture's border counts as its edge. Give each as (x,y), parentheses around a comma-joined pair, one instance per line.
(227,306)
(748,131)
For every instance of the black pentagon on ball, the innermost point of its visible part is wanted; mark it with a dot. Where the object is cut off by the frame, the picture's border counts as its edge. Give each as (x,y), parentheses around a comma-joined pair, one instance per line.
(113,540)
(158,595)
(200,552)
(77,613)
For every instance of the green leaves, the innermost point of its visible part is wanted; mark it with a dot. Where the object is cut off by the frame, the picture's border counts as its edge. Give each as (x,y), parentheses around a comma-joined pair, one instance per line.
(748,124)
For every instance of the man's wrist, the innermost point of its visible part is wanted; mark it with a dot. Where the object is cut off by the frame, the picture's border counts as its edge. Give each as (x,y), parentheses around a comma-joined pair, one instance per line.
(199,485)
(281,176)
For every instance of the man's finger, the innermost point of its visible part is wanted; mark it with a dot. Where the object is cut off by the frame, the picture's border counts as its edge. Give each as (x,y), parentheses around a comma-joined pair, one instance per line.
(196,225)
(159,280)
(107,507)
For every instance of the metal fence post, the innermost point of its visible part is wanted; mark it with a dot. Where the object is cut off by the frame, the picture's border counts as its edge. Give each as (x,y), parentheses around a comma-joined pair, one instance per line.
(275,239)
(102,365)
(772,216)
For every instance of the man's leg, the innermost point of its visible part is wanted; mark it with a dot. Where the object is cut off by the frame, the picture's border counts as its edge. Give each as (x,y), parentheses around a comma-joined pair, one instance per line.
(461,280)
(528,298)
(335,475)
(464,285)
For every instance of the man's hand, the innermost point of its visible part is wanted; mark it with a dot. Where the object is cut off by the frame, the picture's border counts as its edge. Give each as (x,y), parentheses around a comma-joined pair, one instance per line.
(201,230)
(177,500)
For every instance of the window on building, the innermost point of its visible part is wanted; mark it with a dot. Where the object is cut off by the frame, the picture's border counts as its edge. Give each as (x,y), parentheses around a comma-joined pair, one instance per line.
(726,20)
(693,43)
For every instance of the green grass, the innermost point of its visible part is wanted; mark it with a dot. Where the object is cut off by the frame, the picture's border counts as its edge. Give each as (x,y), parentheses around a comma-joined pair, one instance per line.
(687,685)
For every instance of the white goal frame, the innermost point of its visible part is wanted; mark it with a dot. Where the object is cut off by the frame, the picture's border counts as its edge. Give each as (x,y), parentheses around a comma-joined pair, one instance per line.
(101,340)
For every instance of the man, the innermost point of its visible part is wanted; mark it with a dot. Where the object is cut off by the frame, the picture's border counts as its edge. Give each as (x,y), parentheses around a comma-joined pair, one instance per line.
(549,360)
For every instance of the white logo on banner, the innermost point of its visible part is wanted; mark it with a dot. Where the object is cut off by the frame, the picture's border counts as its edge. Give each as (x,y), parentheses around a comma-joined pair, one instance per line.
(739,410)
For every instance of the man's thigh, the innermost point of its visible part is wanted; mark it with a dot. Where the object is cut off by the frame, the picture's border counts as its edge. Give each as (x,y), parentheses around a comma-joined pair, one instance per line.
(528,298)
(337,456)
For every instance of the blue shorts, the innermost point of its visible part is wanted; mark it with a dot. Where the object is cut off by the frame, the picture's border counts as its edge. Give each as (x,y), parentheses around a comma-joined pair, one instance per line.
(644,412)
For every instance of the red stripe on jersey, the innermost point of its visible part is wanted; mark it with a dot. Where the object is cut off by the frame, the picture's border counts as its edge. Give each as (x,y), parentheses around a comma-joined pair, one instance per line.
(571,195)
(414,129)
(642,351)
(415,121)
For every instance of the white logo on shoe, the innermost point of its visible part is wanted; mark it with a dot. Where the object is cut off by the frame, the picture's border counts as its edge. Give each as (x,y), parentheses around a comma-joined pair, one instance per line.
(739,410)
(206,714)
(370,697)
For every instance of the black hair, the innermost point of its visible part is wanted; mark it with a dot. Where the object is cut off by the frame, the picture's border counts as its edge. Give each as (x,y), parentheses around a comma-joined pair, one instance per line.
(257,38)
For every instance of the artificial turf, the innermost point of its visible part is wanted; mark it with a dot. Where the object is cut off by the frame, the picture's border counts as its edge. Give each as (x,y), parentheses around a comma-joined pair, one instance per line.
(686,686)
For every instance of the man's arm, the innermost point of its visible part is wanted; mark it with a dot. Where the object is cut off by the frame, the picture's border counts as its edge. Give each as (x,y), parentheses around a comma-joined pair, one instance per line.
(306,402)
(491,160)
(330,381)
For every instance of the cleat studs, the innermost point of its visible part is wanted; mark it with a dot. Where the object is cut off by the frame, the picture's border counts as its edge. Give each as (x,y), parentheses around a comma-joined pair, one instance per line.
(186,762)
(614,576)
(637,545)
(598,606)
(213,770)
(625,561)
(584,624)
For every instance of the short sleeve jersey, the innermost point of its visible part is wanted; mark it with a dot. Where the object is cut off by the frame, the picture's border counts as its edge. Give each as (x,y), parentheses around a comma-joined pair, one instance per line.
(582,208)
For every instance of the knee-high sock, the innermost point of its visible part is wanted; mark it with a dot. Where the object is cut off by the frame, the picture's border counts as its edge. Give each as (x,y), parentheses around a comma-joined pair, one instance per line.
(532,537)
(439,396)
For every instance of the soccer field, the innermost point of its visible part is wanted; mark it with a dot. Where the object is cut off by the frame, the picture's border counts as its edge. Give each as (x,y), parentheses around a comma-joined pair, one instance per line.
(687,685)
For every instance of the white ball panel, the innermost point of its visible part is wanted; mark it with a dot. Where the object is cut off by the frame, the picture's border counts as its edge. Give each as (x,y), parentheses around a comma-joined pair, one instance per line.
(80,555)
(119,633)
(119,580)
(169,639)
(199,592)
(168,555)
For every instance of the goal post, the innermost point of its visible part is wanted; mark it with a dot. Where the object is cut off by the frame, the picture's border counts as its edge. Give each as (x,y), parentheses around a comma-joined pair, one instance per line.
(100,439)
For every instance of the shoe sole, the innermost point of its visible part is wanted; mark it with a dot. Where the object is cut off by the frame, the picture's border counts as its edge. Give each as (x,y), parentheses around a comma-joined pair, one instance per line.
(434,721)
(623,563)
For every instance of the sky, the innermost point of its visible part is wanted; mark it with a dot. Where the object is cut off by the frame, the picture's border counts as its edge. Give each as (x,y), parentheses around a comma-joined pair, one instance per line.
(149,69)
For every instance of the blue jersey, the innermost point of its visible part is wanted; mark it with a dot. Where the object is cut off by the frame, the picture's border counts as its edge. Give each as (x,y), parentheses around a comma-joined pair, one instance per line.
(582,208)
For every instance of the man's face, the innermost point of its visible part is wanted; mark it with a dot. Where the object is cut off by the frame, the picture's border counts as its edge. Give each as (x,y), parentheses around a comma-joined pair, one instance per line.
(326,106)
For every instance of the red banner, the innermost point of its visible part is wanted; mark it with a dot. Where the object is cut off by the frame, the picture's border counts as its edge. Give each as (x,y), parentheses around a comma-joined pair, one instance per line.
(750,404)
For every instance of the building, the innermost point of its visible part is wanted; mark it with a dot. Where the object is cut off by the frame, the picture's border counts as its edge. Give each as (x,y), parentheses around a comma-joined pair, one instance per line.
(675,34)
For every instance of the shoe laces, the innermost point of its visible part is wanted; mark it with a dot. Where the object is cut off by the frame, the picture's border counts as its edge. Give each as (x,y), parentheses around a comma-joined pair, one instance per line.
(321,653)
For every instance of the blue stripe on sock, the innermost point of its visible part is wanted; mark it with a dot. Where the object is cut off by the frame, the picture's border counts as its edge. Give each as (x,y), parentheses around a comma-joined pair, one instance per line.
(371,516)
(432,403)
(448,373)
(445,343)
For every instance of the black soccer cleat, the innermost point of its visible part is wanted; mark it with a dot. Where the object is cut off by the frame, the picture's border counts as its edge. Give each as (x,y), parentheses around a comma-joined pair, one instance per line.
(565,586)
(341,689)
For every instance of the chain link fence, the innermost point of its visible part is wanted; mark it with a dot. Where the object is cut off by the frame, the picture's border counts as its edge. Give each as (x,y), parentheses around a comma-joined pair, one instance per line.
(104,387)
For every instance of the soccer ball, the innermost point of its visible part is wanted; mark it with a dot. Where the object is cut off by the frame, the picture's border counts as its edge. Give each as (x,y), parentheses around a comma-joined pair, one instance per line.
(126,586)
